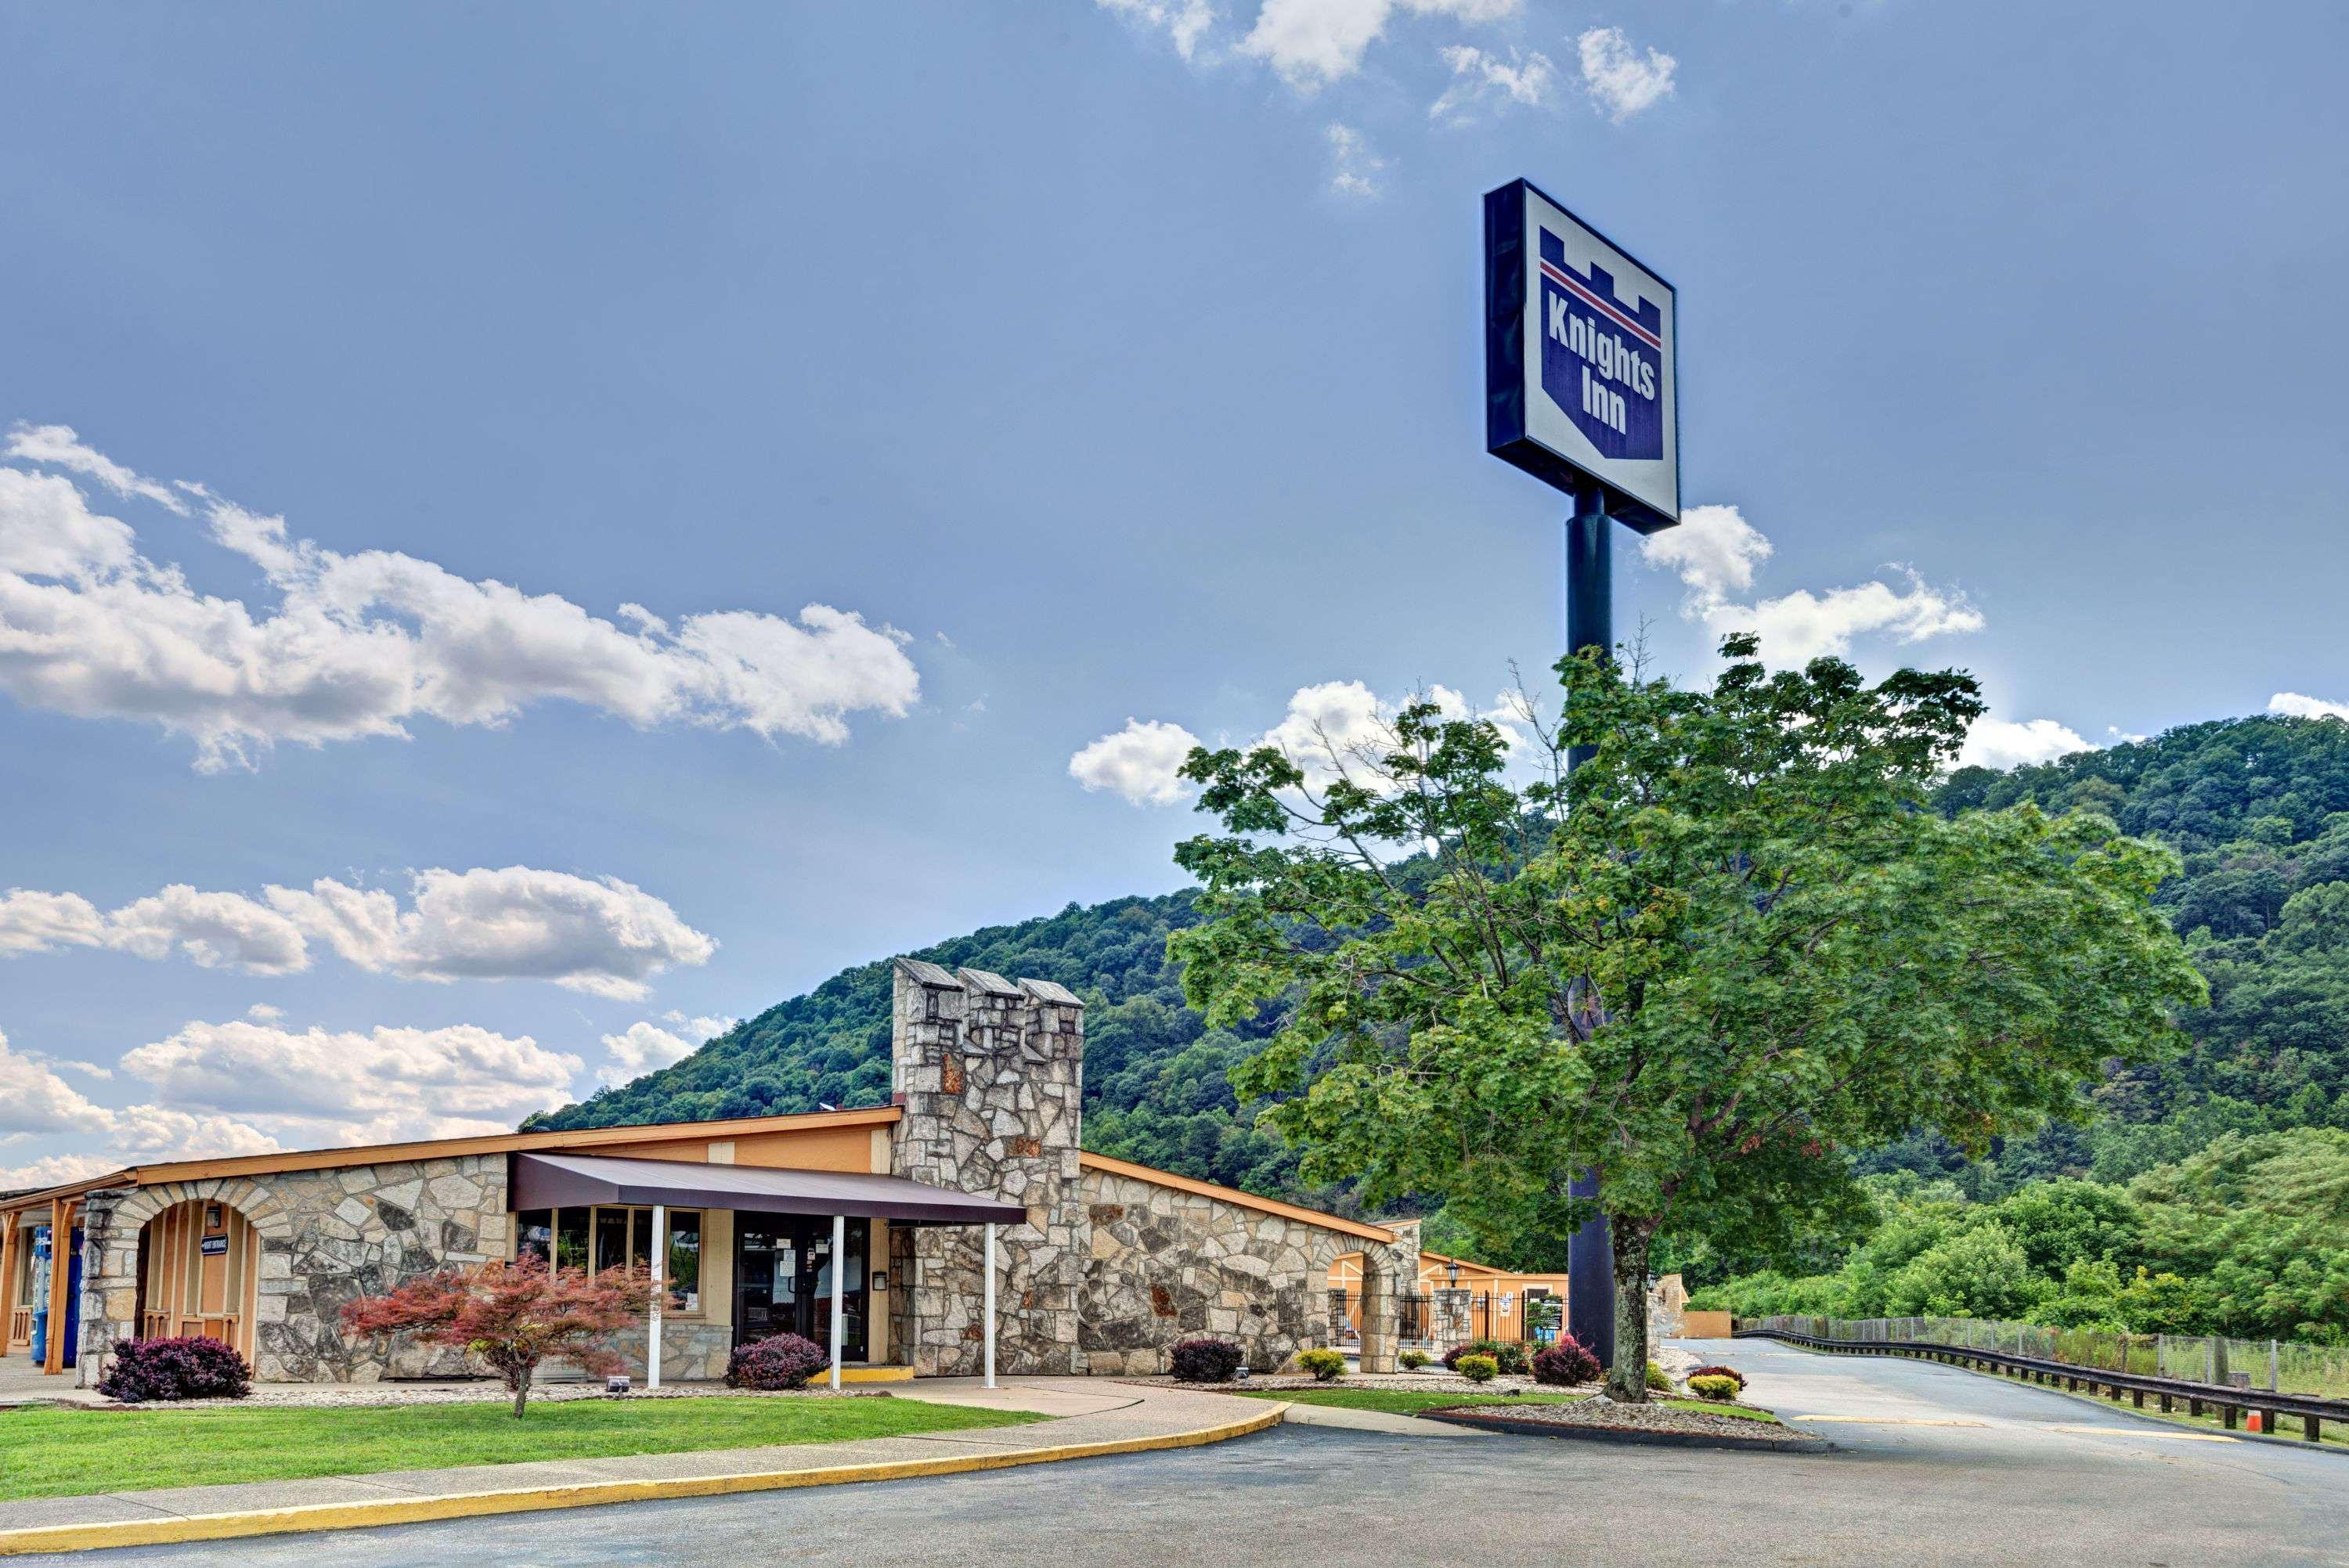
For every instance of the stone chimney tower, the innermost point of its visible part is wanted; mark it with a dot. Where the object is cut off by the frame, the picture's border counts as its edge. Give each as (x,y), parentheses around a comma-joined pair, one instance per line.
(991,1078)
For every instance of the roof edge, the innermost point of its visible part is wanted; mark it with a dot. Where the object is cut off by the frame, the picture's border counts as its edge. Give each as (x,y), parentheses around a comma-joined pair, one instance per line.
(1233,1195)
(445,1148)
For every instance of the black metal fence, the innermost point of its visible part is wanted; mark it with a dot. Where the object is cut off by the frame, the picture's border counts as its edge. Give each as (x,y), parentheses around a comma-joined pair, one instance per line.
(1411,1315)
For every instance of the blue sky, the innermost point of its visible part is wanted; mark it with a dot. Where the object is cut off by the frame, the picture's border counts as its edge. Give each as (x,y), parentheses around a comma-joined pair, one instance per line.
(530,532)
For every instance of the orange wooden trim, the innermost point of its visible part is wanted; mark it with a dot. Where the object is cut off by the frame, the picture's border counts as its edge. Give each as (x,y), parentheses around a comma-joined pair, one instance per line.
(8,1277)
(446,1148)
(1103,1164)
(60,1278)
(506,1143)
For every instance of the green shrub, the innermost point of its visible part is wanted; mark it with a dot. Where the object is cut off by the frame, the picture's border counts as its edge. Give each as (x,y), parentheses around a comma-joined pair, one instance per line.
(1713,1387)
(1477,1369)
(1325,1364)
(1412,1360)
(1511,1358)
(1656,1380)
(1732,1373)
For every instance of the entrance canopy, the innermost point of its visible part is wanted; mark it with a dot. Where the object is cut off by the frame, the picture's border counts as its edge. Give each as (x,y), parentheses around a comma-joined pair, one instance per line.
(571,1180)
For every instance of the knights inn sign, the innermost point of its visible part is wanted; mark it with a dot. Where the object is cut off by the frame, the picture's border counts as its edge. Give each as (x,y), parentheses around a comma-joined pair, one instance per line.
(1578,356)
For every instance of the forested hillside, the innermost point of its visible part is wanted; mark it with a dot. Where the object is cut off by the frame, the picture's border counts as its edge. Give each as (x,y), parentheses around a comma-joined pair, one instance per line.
(1154,1075)
(2258,807)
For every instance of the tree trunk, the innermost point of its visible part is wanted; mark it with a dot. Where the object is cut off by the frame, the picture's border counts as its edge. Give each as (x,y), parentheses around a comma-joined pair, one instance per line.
(519,1383)
(1627,1381)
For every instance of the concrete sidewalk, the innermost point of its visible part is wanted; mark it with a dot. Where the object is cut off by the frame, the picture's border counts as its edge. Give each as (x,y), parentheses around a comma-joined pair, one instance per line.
(1087,1418)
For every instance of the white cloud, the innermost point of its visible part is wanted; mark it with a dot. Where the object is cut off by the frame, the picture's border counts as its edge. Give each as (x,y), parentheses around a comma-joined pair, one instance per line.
(1184,21)
(33,1100)
(54,1170)
(58,447)
(1620,82)
(1138,762)
(605,937)
(218,930)
(360,646)
(1714,551)
(644,1046)
(346,1086)
(1312,43)
(1354,169)
(1478,76)
(2010,742)
(2298,707)
(264,1013)
(33,921)
(1331,728)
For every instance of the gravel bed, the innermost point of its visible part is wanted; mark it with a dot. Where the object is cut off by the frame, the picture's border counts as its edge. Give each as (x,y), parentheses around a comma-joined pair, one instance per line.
(1431,1381)
(376,1394)
(1648,1418)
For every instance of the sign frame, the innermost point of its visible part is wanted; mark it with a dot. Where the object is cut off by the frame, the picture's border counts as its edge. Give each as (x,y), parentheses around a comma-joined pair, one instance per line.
(1512,431)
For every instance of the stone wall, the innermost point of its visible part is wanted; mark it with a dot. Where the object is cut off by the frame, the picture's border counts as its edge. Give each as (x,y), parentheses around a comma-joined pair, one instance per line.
(1163,1264)
(328,1237)
(991,1076)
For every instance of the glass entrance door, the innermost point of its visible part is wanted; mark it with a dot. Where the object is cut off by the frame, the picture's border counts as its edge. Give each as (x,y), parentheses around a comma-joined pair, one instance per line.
(766,1276)
(782,1281)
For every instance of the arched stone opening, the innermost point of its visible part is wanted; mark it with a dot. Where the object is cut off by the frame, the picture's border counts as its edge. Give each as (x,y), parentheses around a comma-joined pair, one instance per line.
(185,1257)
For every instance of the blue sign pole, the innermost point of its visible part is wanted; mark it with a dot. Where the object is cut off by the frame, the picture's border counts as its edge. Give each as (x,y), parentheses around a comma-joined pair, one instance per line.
(1590,623)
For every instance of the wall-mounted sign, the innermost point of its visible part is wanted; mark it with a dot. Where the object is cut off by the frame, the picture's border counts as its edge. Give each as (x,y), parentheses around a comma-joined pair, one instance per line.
(1579,342)
(215,1247)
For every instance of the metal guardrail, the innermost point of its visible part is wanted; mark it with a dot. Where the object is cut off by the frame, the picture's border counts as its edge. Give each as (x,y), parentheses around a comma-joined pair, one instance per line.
(2232,1403)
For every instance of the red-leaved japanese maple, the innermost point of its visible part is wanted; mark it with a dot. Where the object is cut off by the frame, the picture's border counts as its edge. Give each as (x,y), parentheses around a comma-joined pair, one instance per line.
(511,1316)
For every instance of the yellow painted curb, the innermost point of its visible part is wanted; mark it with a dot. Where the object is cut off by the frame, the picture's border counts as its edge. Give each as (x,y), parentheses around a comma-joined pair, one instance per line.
(584,1494)
(876,1374)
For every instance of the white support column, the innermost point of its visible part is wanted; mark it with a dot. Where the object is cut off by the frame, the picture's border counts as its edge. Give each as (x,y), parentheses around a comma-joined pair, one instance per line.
(839,1291)
(989,1310)
(660,1290)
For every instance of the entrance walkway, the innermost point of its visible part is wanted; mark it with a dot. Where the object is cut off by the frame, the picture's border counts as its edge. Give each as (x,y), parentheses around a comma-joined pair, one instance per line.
(1087,1419)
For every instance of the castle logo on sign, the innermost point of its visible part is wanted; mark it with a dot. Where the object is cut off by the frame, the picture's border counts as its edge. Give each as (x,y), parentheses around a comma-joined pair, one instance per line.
(1601,356)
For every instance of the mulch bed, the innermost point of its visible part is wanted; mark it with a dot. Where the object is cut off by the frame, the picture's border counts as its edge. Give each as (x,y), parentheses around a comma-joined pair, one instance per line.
(1605,1421)
(487,1393)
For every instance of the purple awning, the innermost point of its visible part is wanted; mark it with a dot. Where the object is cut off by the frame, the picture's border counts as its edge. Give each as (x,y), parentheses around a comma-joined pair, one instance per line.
(576,1180)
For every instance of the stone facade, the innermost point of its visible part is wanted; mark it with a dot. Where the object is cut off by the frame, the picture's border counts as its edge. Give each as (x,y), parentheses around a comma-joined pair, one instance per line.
(991,1077)
(692,1351)
(1162,1265)
(328,1237)
(1104,1272)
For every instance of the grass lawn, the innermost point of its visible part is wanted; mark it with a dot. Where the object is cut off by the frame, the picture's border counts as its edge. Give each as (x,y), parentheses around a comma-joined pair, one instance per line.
(65,1452)
(1403,1401)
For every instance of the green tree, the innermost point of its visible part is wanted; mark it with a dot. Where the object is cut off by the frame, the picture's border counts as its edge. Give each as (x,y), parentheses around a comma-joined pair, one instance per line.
(1729,946)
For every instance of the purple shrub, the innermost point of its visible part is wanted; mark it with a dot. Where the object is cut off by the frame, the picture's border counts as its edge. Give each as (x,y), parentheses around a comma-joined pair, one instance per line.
(778,1361)
(196,1368)
(1565,1362)
(1203,1360)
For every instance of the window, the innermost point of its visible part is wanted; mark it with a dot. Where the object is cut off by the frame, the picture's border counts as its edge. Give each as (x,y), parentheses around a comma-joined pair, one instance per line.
(616,1238)
(534,1234)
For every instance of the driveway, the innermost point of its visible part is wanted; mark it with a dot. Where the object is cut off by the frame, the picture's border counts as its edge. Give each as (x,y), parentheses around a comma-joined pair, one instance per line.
(1937,1466)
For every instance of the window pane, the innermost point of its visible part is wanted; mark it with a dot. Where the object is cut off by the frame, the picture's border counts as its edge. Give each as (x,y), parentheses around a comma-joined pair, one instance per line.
(533,1233)
(640,1239)
(685,1257)
(571,1238)
(611,1239)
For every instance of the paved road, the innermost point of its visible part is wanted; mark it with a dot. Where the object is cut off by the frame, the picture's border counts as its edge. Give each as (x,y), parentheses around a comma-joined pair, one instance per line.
(1938,1466)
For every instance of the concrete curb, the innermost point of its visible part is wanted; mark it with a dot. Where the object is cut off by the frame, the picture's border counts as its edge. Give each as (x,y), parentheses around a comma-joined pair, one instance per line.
(588,1494)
